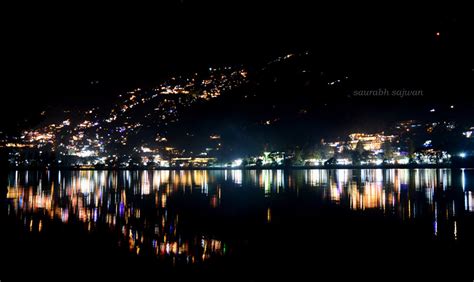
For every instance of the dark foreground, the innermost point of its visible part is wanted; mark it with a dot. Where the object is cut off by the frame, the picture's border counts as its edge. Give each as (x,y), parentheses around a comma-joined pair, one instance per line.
(241,225)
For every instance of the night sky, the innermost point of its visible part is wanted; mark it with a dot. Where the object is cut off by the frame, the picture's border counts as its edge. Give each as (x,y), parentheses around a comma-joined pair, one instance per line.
(51,54)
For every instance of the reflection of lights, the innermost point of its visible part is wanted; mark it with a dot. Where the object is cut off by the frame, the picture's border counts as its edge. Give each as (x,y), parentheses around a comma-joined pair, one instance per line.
(335,193)
(83,194)
(469,201)
(214,201)
(378,175)
(237,176)
(163,201)
(265,180)
(114,199)
(64,215)
(455,230)
(446,178)
(373,196)
(403,178)
(145,183)
(86,183)
(316,177)
(279,180)
(205,183)
(342,176)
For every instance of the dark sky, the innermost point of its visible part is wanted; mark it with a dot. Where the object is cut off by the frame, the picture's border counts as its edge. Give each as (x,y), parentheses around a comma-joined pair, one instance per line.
(51,53)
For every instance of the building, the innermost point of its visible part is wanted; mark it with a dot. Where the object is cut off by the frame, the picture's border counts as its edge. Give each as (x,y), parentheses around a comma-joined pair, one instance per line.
(370,142)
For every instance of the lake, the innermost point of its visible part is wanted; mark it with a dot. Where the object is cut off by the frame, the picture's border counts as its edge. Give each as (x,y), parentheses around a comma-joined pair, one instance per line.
(243,225)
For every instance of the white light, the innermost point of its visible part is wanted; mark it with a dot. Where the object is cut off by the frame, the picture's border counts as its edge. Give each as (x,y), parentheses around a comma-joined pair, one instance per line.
(432,110)
(343,161)
(237,162)
(462,155)
(85,153)
(403,161)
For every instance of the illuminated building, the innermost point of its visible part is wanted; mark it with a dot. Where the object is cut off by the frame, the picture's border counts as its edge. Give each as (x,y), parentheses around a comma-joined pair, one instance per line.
(370,142)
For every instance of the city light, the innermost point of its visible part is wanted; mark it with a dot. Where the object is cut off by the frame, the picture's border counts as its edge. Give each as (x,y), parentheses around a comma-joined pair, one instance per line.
(237,163)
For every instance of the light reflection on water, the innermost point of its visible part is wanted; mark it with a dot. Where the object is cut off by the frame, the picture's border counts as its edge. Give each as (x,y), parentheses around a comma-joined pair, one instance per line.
(139,204)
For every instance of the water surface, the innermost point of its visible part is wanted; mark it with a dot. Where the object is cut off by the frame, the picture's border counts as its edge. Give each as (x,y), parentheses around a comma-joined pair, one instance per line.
(242,224)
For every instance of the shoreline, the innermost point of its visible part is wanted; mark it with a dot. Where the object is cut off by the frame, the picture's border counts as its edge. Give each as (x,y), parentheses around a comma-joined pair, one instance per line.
(246,168)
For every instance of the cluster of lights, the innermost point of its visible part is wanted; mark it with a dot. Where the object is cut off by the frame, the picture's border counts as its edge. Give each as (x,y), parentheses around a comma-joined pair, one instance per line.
(97,136)
(91,192)
(83,196)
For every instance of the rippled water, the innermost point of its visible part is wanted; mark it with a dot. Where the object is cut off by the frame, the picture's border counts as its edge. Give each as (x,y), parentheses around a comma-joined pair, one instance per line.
(238,218)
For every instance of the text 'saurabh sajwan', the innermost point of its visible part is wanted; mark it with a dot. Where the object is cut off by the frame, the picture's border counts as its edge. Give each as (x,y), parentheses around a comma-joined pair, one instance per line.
(383,92)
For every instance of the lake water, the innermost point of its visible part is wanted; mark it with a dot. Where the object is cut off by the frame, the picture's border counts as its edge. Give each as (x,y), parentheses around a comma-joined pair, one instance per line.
(239,224)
